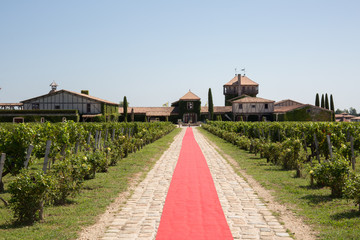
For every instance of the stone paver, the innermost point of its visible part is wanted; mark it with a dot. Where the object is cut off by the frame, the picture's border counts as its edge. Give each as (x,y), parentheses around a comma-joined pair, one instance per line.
(247,216)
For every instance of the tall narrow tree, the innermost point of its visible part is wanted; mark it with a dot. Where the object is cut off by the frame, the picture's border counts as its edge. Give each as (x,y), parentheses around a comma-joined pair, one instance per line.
(317,100)
(211,105)
(322,101)
(327,101)
(125,105)
(332,107)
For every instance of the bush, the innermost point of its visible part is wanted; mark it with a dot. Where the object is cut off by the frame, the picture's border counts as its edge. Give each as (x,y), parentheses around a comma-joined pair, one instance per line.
(69,174)
(332,174)
(29,191)
(352,189)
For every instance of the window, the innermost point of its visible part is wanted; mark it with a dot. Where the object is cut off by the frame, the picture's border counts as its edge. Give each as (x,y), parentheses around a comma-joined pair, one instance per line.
(57,106)
(190,105)
(253,106)
(35,106)
(240,106)
(88,108)
(18,120)
(266,106)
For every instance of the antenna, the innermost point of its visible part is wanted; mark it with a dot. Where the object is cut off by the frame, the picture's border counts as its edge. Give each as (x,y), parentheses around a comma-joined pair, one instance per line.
(243,70)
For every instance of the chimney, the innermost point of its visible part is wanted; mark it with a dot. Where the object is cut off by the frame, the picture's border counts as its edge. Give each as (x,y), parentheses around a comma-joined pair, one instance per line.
(85,92)
(239,82)
(53,86)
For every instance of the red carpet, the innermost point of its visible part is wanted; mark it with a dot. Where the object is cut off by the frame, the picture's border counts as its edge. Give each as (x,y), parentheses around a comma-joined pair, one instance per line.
(192,208)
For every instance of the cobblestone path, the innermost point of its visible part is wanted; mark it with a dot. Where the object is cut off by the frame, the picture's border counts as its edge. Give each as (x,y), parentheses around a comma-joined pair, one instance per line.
(247,216)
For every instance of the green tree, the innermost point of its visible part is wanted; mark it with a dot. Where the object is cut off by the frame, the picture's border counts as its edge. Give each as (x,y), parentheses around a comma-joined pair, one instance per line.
(332,107)
(327,101)
(352,111)
(317,100)
(211,105)
(125,105)
(322,101)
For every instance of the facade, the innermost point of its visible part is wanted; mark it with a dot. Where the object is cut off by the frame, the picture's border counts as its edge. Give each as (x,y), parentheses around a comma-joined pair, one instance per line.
(287,110)
(252,109)
(57,106)
(68,100)
(239,86)
(189,107)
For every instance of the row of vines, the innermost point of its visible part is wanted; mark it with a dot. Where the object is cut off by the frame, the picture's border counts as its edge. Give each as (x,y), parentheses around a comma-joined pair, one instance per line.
(327,151)
(68,154)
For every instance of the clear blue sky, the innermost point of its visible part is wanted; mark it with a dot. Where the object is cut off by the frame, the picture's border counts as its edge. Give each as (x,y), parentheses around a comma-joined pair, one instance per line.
(155,51)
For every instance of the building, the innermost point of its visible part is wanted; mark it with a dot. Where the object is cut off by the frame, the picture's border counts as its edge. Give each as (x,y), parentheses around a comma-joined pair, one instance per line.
(290,110)
(187,109)
(239,86)
(249,108)
(344,117)
(61,105)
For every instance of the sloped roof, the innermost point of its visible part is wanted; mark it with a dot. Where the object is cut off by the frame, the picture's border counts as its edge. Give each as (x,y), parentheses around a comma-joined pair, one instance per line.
(289,101)
(150,111)
(217,109)
(293,107)
(245,81)
(71,92)
(189,96)
(248,99)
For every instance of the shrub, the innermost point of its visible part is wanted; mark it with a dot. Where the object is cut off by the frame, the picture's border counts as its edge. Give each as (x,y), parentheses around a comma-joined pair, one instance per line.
(332,174)
(352,189)
(69,174)
(29,191)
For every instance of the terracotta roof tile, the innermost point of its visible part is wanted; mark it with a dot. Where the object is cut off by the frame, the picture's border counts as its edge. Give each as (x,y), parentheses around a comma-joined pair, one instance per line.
(74,93)
(252,100)
(244,81)
(189,96)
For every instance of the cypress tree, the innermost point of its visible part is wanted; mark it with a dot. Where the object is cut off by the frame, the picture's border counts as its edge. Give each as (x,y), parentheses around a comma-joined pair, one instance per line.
(211,105)
(317,100)
(125,105)
(332,107)
(327,101)
(322,101)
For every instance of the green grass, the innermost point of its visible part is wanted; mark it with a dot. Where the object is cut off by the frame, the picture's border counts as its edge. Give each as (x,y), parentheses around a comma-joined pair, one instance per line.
(65,222)
(332,218)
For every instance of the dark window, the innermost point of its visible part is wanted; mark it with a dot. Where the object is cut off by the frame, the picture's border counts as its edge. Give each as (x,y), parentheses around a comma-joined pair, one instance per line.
(253,106)
(57,106)
(35,106)
(88,108)
(240,106)
(190,105)
(266,106)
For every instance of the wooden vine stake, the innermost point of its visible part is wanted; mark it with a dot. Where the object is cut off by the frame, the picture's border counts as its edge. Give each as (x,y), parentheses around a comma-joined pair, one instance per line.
(96,139)
(317,147)
(46,158)
(113,135)
(330,146)
(353,162)
(28,155)
(2,163)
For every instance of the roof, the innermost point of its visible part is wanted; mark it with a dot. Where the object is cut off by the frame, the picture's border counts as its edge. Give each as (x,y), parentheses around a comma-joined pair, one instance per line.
(217,110)
(248,99)
(189,96)
(11,104)
(150,111)
(73,93)
(288,101)
(285,109)
(244,81)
